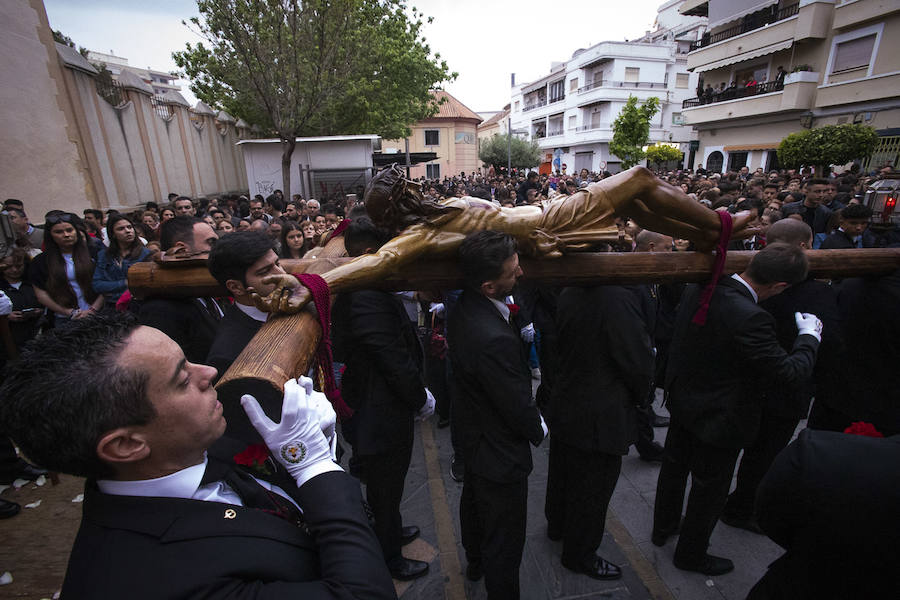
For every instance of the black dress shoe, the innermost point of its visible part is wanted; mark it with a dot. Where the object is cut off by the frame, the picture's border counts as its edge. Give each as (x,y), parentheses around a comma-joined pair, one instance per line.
(474,571)
(708,565)
(652,453)
(746,523)
(8,509)
(555,535)
(658,420)
(457,469)
(406,569)
(660,537)
(22,470)
(594,566)
(408,534)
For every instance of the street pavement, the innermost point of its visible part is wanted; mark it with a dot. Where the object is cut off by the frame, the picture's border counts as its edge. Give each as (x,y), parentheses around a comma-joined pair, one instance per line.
(431,501)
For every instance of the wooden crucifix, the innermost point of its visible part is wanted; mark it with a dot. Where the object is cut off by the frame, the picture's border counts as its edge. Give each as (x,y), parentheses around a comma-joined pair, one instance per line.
(427,234)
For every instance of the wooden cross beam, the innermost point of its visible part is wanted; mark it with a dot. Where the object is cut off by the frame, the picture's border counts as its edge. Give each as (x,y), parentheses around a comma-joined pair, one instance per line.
(285,344)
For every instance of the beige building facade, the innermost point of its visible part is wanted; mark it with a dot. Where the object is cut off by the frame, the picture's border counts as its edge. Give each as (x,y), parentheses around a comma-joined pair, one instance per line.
(451,134)
(66,146)
(841,63)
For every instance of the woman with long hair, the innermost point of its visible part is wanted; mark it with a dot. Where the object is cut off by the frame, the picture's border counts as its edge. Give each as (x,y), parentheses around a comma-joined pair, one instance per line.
(63,274)
(125,249)
(166,214)
(294,243)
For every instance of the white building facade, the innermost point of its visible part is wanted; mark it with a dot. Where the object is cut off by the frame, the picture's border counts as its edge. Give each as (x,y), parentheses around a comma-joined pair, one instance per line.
(570,111)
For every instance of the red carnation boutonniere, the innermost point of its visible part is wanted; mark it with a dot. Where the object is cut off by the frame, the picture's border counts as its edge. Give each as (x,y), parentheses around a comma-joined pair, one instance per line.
(255,457)
(863,428)
(513,309)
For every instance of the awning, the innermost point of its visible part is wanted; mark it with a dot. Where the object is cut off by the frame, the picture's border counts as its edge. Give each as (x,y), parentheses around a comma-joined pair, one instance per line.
(750,147)
(380,159)
(697,8)
(770,49)
(725,11)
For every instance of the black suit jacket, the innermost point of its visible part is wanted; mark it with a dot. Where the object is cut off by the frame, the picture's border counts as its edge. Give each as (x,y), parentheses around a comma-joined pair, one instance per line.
(605,367)
(186,321)
(236,329)
(830,500)
(717,372)
(827,383)
(384,382)
(819,220)
(493,410)
(145,547)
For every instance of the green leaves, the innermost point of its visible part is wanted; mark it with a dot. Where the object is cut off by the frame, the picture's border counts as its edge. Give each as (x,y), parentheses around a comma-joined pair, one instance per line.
(631,130)
(494,152)
(660,153)
(825,146)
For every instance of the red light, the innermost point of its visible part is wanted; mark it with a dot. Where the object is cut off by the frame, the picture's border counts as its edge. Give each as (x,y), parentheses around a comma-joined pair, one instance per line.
(890,203)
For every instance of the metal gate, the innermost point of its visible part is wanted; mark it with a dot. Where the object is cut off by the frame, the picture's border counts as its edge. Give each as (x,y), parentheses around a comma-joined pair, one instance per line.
(887,151)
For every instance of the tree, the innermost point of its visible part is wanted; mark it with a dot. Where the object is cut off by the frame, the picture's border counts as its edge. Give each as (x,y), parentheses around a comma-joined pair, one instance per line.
(317,67)
(825,146)
(494,151)
(631,130)
(60,38)
(661,153)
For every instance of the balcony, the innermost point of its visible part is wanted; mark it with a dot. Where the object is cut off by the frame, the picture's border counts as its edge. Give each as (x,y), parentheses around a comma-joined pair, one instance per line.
(751,22)
(537,104)
(623,84)
(735,93)
(795,94)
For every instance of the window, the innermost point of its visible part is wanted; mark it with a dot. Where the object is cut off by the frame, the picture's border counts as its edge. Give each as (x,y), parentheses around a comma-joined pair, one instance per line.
(853,54)
(677,119)
(632,74)
(598,79)
(433,171)
(572,122)
(682,80)
(557,91)
(432,137)
(573,84)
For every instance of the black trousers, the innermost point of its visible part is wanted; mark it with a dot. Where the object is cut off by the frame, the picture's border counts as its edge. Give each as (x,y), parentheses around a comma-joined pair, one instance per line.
(492,523)
(775,433)
(384,476)
(710,469)
(580,484)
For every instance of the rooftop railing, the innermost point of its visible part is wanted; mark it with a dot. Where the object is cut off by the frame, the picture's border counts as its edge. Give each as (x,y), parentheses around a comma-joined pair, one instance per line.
(750,22)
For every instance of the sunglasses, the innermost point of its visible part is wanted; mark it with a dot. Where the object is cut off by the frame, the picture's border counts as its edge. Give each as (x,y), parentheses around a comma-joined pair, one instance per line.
(61,218)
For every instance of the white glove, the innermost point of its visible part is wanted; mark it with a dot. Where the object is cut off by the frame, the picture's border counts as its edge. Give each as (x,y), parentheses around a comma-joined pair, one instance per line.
(437,308)
(324,414)
(809,324)
(5,305)
(527,333)
(428,408)
(297,442)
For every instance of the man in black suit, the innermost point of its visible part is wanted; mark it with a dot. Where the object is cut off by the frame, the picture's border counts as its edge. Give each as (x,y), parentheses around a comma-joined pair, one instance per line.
(494,413)
(239,262)
(191,322)
(384,384)
(830,500)
(118,403)
(605,369)
(853,229)
(715,370)
(784,406)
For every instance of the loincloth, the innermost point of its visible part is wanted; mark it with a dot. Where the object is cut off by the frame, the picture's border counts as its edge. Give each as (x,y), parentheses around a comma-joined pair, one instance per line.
(573,223)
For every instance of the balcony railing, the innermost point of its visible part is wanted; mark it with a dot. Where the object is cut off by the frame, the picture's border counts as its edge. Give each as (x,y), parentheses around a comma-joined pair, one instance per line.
(623,84)
(592,127)
(734,93)
(751,22)
(554,132)
(537,104)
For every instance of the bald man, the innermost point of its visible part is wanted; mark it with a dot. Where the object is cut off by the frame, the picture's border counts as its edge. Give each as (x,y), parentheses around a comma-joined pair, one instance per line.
(783,407)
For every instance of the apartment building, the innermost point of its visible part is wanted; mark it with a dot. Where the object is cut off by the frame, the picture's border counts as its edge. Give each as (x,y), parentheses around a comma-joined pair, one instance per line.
(809,63)
(160,81)
(570,111)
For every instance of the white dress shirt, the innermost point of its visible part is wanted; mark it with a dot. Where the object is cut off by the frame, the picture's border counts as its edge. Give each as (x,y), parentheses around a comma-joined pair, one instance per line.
(737,277)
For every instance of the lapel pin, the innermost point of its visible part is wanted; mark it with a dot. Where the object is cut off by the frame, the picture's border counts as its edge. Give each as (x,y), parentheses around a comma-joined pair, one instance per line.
(230,513)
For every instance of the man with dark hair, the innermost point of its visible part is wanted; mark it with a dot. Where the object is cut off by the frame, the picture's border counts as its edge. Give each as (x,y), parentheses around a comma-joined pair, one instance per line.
(530,183)
(782,405)
(257,211)
(93,219)
(811,209)
(239,262)
(120,404)
(496,417)
(274,206)
(854,221)
(717,363)
(384,384)
(34,236)
(183,207)
(191,322)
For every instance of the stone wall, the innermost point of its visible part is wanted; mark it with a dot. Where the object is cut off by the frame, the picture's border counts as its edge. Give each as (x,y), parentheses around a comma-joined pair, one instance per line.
(66,146)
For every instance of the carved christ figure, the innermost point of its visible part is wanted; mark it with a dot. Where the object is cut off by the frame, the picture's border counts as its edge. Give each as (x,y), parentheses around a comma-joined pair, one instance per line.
(422,227)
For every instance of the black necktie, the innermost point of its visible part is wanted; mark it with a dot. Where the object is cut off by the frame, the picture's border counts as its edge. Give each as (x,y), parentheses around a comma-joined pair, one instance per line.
(251,493)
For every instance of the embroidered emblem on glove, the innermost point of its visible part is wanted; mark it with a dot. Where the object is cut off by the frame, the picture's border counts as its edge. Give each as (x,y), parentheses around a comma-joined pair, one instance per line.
(230,514)
(293,452)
